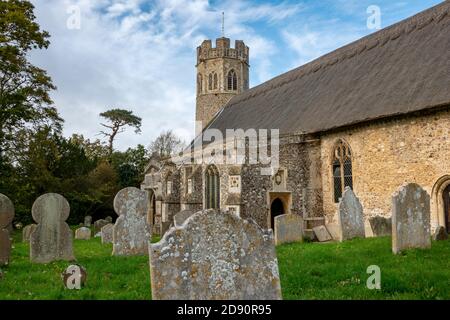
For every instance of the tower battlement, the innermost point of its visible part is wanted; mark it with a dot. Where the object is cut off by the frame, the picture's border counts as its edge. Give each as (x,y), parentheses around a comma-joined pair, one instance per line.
(223,50)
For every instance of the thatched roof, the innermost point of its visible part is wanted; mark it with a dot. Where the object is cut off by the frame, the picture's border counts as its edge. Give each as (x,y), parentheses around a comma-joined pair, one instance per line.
(398,70)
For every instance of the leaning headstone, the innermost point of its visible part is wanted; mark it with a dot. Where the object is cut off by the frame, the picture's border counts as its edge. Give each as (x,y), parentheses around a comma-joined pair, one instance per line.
(381,226)
(108,219)
(322,234)
(334,230)
(83,233)
(440,234)
(6,218)
(410,218)
(288,228)
(107,233)
(87,221)
(181,217)
(27,231)
(350,216)
(131,232)
(99,224)
(215,256)
(52,239)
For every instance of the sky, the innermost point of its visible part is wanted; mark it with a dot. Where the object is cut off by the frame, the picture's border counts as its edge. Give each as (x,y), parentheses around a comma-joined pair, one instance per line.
(140,55)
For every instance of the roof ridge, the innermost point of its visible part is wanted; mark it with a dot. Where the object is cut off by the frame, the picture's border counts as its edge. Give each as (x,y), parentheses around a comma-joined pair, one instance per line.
(393,32)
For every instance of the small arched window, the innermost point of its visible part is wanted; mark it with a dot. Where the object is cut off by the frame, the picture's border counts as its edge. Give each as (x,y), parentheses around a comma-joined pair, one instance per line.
(210,81)
(232,80)
(342,169)
(212,186)
(215,81)
(199,83)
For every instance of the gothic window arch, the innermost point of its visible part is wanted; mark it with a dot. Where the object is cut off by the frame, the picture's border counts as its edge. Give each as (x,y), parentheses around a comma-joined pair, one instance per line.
(210,81)
(199,83)
(342,169)
(215,85)
(212,187)
(232,80)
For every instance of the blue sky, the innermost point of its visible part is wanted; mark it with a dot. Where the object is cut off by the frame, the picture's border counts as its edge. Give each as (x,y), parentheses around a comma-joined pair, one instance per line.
(140,55)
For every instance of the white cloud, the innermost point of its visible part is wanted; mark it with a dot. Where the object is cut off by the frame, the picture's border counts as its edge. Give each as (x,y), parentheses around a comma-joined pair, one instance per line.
(140,55)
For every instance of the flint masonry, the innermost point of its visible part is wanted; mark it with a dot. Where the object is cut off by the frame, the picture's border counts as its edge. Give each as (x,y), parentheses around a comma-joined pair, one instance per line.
(371,116)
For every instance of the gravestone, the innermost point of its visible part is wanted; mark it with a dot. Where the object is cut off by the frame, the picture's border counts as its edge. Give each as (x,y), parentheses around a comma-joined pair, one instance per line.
(131,232)
(350,216)
(288,228)
(108,219)
(52,238)
(410,218)
(27,231)
(215,255)
(440,234)
(83,233)
(99,224)
(87,221)
(6,218)
(380,226)
(334,230)
(107,233)
(322,234)
(181,216)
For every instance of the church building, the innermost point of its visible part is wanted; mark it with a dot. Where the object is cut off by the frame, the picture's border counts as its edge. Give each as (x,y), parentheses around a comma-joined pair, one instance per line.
(372,115)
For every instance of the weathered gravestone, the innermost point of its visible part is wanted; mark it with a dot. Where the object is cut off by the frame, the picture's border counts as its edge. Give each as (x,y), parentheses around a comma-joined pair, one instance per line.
(27,231)
(52,239)
(350,216)
(99,224)
(107,233)
(6,218)
(334,230)
(410,218)
(215,255)
(440,234)
(380,226)
(83,233)
(322,234)
(181,217)
(131,232)
(288,228)
(87,221)
(108,219)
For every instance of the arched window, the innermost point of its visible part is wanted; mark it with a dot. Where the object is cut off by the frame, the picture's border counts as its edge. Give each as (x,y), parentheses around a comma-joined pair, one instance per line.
(232,80)
(210,81)
(215,81)
(199,83)
(342,169)
(212,188)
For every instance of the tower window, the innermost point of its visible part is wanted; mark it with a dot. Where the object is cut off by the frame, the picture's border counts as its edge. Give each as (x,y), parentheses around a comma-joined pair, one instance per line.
(342,169)
(212,187)
(210,84)
(232,80)
(199,83)
(215,81)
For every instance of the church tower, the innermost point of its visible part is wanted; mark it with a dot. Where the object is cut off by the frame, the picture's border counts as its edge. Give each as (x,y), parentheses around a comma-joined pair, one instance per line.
(222,73)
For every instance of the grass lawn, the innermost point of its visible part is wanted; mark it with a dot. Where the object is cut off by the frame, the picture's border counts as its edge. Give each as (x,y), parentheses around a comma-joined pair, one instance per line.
(308,271)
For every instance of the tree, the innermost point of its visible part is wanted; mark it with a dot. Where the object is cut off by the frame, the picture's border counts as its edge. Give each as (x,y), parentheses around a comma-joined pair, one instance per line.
(24,88)
(130,166)
(166,144)
(118,119)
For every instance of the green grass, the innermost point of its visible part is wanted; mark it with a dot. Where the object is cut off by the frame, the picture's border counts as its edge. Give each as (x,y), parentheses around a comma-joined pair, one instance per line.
(308,271)
(339,270)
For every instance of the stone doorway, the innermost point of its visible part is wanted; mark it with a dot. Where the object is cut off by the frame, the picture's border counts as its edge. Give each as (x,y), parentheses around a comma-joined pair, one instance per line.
(276,209)
(440,202)
(446,198)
